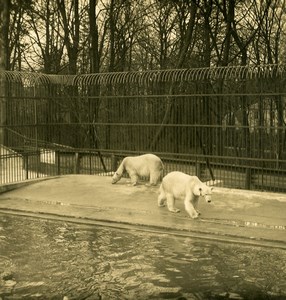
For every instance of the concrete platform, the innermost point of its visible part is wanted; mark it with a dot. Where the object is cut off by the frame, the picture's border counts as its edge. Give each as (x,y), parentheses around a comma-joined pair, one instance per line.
(233,216)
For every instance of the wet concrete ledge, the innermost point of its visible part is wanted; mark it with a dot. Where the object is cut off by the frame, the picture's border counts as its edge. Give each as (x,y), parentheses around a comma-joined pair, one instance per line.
(255,218)
(15,185)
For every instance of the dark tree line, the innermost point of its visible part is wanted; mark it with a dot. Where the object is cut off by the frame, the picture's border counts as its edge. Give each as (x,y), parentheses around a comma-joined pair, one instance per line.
(83,36)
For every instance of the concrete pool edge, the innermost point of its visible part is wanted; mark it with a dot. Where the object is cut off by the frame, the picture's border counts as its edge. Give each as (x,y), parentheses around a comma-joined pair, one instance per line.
(153,229)
(252,217)
(7,187)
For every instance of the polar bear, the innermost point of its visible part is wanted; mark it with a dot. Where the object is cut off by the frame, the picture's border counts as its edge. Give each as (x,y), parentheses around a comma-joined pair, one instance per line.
(146,165)
(178,185)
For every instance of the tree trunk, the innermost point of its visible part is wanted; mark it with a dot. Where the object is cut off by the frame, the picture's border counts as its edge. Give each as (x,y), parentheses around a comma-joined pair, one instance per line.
(4,34)
(182,56)
(71,46)
(94,91)
(93,31)
(4,63)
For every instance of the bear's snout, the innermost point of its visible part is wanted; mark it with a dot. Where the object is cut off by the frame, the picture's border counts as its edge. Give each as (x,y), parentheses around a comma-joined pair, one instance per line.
(114,180)
(208,198)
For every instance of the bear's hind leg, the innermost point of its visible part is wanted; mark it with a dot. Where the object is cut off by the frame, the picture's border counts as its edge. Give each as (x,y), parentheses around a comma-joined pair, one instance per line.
(154,177)
(190,209)
(162,199)
(171,204)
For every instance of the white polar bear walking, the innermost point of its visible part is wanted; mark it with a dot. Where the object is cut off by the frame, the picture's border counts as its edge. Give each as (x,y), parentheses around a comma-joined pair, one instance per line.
(146,165)
(178,185)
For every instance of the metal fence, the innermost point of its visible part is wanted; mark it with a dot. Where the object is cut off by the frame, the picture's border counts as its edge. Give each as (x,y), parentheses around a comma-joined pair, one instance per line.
(226,123)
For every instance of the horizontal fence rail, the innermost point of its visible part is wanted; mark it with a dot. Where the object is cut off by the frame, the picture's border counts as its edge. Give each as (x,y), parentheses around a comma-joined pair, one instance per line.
(225,124)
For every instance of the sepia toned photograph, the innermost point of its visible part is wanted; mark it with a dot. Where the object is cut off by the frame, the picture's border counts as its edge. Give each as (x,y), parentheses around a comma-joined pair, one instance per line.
(143,149)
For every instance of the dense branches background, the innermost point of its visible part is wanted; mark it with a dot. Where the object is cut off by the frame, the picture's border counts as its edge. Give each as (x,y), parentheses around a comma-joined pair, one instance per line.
(86,36)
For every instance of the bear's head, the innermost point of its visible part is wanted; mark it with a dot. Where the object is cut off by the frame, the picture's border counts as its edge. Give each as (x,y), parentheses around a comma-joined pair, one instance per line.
(204,191)
(116,177)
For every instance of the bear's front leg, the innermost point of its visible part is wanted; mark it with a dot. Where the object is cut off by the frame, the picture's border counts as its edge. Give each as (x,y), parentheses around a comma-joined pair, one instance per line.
(195,204)
(190,209)
(134,179)
(171,204)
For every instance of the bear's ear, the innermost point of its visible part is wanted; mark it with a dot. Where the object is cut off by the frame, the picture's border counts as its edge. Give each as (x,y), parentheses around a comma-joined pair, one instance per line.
(197,191)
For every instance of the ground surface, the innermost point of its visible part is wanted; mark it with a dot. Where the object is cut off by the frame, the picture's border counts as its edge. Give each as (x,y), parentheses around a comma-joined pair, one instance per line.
(233,215)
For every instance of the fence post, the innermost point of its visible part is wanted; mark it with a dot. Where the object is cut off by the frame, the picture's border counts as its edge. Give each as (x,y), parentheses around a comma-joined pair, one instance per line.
(198,169)
(77,163)
(26,165)
(248,178)
(58,162)
(114,160)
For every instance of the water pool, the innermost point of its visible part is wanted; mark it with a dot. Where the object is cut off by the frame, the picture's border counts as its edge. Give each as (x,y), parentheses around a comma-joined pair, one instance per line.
(48,259)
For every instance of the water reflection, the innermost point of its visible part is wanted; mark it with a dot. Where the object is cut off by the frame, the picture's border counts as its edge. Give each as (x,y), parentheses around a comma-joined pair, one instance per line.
(44,259)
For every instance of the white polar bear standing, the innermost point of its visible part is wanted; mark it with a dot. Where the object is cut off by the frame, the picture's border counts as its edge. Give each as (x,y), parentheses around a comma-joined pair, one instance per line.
(146,165)
(178,185)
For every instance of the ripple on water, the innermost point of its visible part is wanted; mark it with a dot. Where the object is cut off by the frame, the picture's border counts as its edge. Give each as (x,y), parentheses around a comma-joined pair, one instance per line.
(52,259)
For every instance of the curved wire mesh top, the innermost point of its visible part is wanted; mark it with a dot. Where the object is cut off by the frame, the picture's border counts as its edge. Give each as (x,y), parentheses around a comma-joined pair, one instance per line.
(24,77)
(175,75)
(151,76)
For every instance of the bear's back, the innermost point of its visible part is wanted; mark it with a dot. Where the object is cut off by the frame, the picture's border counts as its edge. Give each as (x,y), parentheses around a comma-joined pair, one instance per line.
(150,159)
(145,160)
(176,177)
(143,164)
(176,183)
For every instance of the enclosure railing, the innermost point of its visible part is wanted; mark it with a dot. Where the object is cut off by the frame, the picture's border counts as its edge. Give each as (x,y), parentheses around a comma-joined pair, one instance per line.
(225,123)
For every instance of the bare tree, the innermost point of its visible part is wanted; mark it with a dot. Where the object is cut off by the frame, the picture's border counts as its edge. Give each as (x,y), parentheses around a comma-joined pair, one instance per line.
(71,24)
(142,35)
(124,19)
(94,38)
(4,34)
(44,50)
(4,62)
(171,112)
(18,26)
(268,47)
